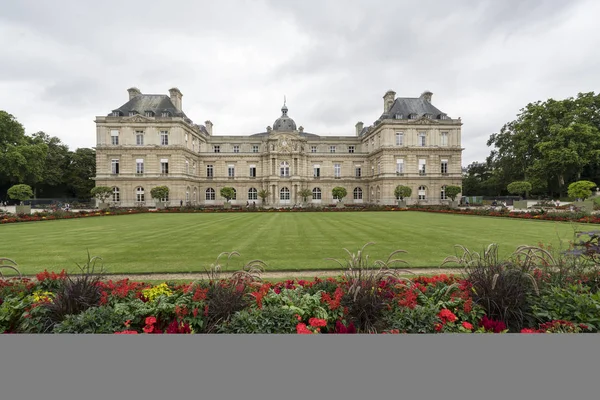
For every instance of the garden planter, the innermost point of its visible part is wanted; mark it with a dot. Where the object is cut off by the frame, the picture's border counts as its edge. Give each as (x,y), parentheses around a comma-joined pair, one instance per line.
(586,205)
(103,206)
(227,205)
(161,205)
(23,209)
(402,203)
(339,205)
(454,204)
(520,204)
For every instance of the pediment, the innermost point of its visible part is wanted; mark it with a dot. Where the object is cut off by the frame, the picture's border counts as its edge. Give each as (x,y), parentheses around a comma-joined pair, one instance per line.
(137,118)
(422,120)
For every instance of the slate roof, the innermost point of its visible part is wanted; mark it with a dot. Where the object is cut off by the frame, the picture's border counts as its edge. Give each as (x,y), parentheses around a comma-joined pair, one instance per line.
(156,103)
(411,105)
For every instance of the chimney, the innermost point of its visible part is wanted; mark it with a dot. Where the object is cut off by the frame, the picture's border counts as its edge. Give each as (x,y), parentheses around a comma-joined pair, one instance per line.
(209,126)
(301,129)
(176,98)
(388,100)
(359,127)
(134,92)
(426,95)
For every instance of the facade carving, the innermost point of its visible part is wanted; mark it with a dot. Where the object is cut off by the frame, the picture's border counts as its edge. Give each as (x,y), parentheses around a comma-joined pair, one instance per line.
(149,141)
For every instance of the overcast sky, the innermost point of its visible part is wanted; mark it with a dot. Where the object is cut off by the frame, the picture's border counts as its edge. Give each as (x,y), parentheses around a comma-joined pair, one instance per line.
(65,62)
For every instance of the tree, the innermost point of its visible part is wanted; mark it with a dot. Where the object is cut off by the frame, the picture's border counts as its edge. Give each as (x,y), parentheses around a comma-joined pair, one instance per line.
(102,193)
(53,183)
(80,172)
(581,189)
(519,187)
(263,194)
(159,193)
(402,191)
(20,192)
(339,193)
(453,191)
(228,193)
(305,194)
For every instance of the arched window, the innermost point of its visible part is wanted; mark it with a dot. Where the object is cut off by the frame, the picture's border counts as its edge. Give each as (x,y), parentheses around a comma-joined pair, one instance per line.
(210,194)
(139,194)
(284,169)
(252,194)
(195,196)
(284,194)
(443,193)
(316,192)
(116,195)
(165,199)
(187,195)
(357,193)
(377,193)
(234,194)
(422,192)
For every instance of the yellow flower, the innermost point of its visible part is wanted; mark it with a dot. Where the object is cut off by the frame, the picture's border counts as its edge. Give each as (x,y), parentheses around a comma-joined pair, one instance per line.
(39,296)
(152,293)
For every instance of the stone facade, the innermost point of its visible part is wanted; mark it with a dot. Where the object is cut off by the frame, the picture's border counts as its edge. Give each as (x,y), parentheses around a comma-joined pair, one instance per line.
(149,141)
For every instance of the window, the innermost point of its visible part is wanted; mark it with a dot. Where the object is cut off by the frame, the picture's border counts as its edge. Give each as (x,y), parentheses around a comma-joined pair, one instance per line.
(114,137)
(236,148)
(209,171)
(139,166)
(422,140)
(373,143)
(255,148)
(149,114)
(443,193)
(139,138)
(210,194)
(399,165)
(139,194)
(165,199)
(194,144)
(284,194)
(316,194)
(116,113)
(317,171)
(186,138)
(231,171)
(234,194)
(194,168)
(422,166)
(337,170)
(358,193)
(187,195)
(164,138)
(412,116)
(332,149)
(217,149)
(284,169)
(379,168)
(444,166)
(350,149)
(399,139)
(114,166)
(253,171)
(116,194)
(252,194)
(164,166)
(357,172)
(444,139)
(132,113)
(422,193)
(165,114)
(313,149)
(187,167)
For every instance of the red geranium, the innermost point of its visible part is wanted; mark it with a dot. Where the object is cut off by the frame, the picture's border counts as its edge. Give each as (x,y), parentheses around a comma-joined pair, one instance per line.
(317,322)
(467,325)
(446,316)
(301,329)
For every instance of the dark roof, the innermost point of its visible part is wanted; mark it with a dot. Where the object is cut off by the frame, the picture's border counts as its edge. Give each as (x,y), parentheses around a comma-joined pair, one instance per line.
(151,102)
(410,105)
(301,134)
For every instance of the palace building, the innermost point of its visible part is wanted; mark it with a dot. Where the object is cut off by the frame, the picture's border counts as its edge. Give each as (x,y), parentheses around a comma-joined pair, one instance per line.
(149,141)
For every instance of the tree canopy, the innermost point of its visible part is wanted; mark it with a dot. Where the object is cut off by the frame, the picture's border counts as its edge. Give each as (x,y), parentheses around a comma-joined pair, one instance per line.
(339,193)
(402,191)
(581,189)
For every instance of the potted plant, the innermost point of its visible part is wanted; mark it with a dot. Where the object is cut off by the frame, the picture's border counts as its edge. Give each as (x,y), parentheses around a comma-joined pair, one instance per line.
(101,193)
(401,192)
(452,192)
(22,193)
(305,194)
(161,195)
(339,193)
(263,194)
(582,190)
(228,193)
(519,188)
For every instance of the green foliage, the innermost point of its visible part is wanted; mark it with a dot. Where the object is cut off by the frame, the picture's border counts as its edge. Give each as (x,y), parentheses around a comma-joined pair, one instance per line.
(228,193)
(80,172)
(160,192)
(305,194)
(92,320)
(453,191)
(263,194)
(266,320)
(402,191)
(519,187)
(101,193)
(581,189)
(339,193)
(20,192)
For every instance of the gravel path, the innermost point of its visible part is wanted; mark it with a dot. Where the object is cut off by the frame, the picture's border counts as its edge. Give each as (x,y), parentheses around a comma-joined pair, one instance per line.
(272,274)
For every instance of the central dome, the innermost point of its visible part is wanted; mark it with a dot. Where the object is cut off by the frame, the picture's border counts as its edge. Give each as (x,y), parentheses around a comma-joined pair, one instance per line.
(284,123)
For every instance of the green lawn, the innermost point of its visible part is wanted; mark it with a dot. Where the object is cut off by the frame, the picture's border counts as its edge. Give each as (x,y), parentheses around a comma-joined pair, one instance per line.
(285,241)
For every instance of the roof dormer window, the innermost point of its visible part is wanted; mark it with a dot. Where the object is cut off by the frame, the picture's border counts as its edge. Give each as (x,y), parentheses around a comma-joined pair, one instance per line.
(412,116)
(442,116)
(116,113)
(149,114)
(398,116)
(132,113)
(166,114)
(428,116)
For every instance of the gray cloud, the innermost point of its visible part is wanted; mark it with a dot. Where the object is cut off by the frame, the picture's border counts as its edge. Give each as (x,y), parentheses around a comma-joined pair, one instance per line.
(65,62)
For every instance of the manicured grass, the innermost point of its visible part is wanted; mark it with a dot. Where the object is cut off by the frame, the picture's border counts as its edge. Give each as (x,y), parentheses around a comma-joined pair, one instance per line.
(285,241)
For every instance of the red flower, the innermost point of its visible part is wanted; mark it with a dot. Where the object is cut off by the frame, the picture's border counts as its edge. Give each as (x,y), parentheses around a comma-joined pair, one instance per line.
(150,320)
(317,322)
(341,328)
(438,327)
(467,325)
(126,333)
(301,329)
(491,325)
(148,328)
(529,330)
(446,316)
